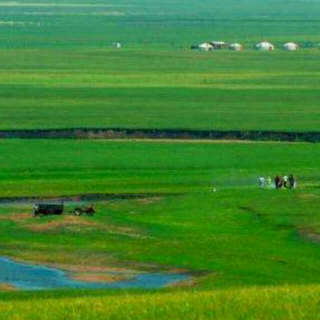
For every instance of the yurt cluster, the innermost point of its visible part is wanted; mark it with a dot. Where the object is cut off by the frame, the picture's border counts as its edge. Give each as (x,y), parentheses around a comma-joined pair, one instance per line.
(262,46)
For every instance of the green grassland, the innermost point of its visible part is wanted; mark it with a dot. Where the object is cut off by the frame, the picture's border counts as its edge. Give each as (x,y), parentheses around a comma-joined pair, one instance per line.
(242,244)
(82,23)
(159,89)
(288,302)
(67,167)
(225,233)
(58,70)
(253,254)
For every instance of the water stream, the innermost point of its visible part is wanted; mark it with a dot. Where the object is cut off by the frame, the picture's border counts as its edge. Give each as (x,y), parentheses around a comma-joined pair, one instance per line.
(33,277)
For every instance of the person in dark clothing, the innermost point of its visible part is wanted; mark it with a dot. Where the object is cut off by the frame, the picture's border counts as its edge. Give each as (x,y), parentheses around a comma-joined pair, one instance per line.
(292,181)
(277,180)
(281,183)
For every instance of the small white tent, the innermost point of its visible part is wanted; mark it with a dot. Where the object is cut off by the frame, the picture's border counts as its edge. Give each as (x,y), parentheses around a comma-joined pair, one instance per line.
(217,45)
(205,46)
(265,46)
(117,45)
(291,46)
(235,47)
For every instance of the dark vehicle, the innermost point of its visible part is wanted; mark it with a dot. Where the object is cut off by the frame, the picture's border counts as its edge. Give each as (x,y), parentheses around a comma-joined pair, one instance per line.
(48,209)
(79,211)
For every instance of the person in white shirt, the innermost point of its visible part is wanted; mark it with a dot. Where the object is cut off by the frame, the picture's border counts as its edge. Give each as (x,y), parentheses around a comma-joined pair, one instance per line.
(285,181)
(262,182)
(269,182)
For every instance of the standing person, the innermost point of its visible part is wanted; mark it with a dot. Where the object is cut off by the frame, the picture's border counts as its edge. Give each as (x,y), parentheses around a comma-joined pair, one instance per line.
(277,181)
(280,182)
(269,182)
(292,181)
(262,182)
(285,181)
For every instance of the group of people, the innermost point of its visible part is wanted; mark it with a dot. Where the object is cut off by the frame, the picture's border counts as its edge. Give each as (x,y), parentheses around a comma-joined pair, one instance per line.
(279,182)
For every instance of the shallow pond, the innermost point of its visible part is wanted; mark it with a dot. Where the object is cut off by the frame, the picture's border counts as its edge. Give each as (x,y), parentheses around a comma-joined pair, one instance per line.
(32,277)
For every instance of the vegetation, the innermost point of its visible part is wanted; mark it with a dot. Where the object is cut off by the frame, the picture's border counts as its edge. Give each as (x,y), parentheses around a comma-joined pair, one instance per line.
(252,253)
(159,89)
(236,236)
(288,302)
(69,167)
(58,69)
(84,23)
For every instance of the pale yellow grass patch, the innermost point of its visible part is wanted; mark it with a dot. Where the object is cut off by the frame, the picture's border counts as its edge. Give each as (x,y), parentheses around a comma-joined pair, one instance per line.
(99,277)
(88,269)
(7,287)
(183,284)
(66,221)
(307,196)
(149,200)
(80,224)
(16,217)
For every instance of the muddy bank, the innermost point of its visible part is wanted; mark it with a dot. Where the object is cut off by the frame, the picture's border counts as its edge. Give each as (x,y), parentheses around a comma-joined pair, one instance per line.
(7,287)
(85,198)
(118,133)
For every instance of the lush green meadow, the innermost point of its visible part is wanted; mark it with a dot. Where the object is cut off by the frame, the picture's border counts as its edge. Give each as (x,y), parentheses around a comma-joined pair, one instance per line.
(84,23)
(225,234)
(104,88)
(288,302)
(252,253)
(244,246)
(58,69)
(71,167)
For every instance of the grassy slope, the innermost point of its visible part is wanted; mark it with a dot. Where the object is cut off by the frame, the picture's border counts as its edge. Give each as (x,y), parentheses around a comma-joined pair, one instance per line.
(285,303)
(207,232)
(240,235)
(230,236)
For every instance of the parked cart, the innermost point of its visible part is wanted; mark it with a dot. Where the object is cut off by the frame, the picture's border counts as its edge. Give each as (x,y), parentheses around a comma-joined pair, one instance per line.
(89,210)
(46,209)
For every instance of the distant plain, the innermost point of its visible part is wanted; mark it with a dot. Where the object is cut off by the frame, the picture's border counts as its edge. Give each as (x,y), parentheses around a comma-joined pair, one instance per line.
(58,68)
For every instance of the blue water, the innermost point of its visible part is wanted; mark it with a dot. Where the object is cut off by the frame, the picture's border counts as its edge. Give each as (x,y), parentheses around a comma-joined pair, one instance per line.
(31,277)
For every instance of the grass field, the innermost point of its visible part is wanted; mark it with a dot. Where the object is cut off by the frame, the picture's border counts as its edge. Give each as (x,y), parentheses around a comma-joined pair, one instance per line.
(252,253)
(246,246)
(255,227)
(76,167)
(288,302)
(67,24)
(159,89)
(58,70)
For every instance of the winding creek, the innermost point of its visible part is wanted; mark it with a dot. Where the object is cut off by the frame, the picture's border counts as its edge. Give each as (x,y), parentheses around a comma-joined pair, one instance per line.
(33,277)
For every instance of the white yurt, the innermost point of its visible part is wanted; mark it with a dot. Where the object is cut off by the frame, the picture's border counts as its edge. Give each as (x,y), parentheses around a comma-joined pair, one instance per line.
(117,45)
(265,46)
(291,46)
(235,47)
(205,46)
(217,45)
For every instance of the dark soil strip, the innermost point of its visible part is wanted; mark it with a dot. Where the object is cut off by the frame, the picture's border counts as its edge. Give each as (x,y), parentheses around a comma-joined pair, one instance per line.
(117,133)
(86,197)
